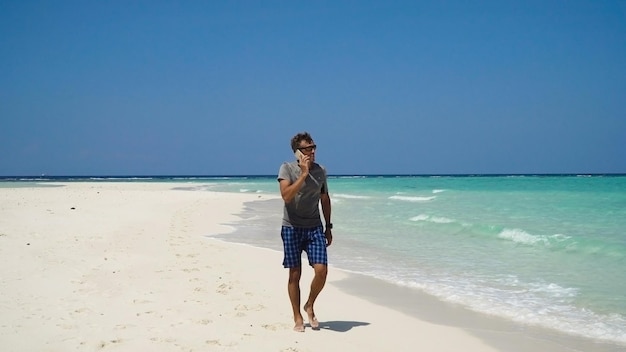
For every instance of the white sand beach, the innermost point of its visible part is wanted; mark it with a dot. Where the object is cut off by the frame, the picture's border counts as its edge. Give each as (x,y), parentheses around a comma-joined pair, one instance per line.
(128,266)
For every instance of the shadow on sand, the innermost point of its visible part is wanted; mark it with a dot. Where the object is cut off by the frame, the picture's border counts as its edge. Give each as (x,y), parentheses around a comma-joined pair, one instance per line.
(341,326)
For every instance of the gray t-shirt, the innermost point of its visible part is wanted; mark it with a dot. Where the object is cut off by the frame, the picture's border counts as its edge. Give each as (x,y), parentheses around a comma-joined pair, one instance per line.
(303,210)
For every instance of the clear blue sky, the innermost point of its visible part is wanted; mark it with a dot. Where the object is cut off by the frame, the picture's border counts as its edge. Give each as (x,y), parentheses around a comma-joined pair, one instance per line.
(220,87)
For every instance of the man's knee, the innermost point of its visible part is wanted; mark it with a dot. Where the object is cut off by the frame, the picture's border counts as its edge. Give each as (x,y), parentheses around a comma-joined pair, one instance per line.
(320,270)
(294,274)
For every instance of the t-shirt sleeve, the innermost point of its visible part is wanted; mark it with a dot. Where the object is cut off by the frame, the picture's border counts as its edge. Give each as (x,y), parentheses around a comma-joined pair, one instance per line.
(283,172)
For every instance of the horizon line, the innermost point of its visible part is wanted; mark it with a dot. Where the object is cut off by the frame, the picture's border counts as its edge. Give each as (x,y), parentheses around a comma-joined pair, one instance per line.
(147,176)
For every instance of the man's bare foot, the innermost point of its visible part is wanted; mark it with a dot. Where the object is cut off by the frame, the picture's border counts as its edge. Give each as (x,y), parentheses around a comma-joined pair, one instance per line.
(312,319)
(299,327)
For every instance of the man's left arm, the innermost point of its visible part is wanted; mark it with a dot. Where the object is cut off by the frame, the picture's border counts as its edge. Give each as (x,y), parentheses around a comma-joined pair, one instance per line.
(325,201)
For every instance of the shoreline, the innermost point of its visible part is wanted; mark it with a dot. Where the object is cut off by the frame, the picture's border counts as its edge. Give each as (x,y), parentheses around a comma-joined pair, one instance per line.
(132,266)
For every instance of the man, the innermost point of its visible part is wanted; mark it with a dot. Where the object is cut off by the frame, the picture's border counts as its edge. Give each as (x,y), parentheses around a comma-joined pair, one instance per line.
(303,187)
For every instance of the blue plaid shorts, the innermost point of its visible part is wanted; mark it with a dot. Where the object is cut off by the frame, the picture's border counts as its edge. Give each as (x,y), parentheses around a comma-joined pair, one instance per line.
(297,239)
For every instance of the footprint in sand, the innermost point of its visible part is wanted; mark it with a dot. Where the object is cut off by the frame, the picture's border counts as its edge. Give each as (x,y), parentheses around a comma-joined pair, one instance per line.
(104,344)
(275,327)
(160,339)
(141,301)
(224,288)
(256,307)
(220,343)
(67,326)
(243,308)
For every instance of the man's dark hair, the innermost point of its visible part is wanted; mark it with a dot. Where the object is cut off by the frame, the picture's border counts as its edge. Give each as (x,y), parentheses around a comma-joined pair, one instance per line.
(303,136)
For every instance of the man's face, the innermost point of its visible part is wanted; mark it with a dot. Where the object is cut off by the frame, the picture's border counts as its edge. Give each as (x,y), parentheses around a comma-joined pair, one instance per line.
(308,148)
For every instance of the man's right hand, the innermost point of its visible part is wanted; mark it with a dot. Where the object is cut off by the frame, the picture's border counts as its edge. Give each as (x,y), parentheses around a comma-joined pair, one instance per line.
(305,164)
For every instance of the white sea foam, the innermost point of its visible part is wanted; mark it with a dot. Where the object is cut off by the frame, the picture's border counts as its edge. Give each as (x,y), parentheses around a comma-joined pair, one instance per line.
(521,236)
(438,190)
(544,304)
(441,220)
(248,190)
(435,219)
(413,198)
(561,237)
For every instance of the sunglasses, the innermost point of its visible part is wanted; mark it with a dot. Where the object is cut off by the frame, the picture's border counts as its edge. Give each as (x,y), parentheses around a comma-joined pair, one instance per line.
(308,149)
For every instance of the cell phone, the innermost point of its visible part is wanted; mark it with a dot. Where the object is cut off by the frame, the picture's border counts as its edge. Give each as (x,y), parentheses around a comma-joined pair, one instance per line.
(299,155)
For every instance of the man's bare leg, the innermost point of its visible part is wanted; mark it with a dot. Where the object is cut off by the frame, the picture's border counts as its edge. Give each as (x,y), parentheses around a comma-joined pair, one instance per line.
(293,287)
(319,280)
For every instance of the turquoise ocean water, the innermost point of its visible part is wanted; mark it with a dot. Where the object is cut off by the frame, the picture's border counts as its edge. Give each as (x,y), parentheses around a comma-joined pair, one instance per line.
(548,251)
